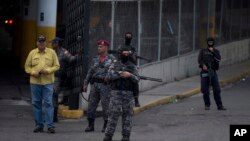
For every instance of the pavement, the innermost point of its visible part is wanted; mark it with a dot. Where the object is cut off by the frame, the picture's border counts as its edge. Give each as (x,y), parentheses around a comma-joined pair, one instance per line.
(174,91)
(185,120)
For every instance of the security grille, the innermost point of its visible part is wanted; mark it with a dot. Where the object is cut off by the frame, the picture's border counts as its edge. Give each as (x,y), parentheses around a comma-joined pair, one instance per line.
(76,40)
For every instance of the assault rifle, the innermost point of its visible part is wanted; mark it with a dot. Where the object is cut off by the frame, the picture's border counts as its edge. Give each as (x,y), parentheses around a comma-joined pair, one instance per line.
(146,78)
(127,68)
(138,57)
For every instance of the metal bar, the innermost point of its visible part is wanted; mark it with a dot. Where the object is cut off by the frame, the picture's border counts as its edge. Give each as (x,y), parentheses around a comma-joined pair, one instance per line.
(194,24)
(179,28)
(86,23)
(112,27)
(208,15)
(221,17)
(139,30)
(160,26)
(241,13)
(248,17)
(231,20)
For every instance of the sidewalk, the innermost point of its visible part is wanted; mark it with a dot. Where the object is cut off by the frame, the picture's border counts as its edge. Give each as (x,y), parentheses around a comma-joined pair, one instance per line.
(172,92)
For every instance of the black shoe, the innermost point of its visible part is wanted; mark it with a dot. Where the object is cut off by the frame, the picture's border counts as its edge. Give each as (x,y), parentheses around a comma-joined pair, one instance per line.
(104,126)
(137,104)
(90,128)
(125,138)
(51,130)
(107,138)
(38,129)
(207,108)
(222,108)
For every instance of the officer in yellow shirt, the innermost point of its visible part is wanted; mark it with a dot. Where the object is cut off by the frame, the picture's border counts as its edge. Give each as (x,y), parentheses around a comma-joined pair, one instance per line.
(41,64)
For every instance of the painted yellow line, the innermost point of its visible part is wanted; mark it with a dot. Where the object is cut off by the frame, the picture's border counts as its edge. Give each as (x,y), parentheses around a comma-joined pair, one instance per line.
(189,93)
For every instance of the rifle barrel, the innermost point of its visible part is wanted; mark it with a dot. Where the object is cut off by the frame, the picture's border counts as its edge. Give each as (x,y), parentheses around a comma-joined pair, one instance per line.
(139,57)
(150,78)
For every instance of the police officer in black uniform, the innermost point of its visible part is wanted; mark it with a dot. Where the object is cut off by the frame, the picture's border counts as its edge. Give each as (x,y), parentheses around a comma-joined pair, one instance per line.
(133,59)
(208,60)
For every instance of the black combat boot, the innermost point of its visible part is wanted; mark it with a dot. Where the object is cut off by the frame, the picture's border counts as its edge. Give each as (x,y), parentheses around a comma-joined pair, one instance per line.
(221,108)
(55,119)
(125,138)
(107,138)
(90,128)
(137,104)
(207,107)
(104,126)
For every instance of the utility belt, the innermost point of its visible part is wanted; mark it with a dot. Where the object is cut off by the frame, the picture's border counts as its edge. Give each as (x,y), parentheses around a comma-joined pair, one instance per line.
(99,80)
(208,73)
(124,89)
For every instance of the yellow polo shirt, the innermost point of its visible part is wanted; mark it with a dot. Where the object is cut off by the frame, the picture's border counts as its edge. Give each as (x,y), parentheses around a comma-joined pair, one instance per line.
(37,61)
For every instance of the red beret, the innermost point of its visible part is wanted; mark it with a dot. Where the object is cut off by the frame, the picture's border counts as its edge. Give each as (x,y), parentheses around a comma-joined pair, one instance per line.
(102,43)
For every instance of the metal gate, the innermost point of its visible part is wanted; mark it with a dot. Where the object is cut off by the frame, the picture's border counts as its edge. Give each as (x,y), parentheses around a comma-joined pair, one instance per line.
(76,39)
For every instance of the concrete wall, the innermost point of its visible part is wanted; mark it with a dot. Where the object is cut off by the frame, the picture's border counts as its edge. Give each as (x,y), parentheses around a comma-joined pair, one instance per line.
(183,66)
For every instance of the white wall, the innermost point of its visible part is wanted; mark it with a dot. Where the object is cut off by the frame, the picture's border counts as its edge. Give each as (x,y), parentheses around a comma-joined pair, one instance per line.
(177,68)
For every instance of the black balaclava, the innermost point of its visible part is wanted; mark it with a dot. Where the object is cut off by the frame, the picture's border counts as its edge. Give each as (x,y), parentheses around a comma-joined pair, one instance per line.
(128,38)
(122,57)
(210,42)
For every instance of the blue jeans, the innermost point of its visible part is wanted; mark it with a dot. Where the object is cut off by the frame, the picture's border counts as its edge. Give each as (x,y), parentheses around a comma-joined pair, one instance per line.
(43,94)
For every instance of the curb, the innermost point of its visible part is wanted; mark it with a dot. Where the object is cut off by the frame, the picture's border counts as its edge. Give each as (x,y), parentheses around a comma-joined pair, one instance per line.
(189,93)
(64,112)
(154,103)
(72,114)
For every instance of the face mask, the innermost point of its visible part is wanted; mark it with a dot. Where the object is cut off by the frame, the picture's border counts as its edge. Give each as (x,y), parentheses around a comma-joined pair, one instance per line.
(128,40)
(124,58)
(210,43)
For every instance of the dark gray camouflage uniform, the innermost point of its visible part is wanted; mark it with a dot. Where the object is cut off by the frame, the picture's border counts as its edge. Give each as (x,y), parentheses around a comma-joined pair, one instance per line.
(100,90)
(64,58)
(122,99)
